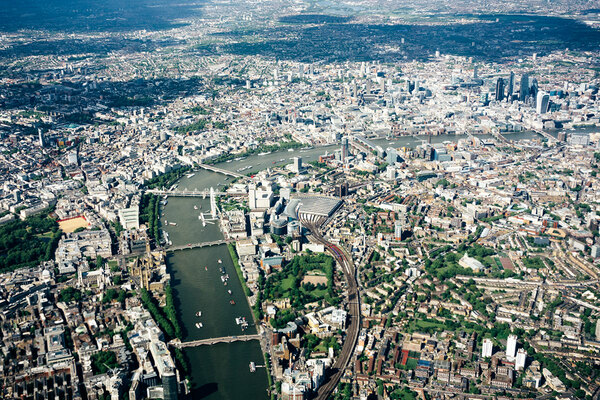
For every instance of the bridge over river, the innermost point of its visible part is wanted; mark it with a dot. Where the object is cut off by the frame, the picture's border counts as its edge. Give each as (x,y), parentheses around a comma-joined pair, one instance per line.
(551,139)
(197,245)
(211,341)
(221,170)
(186,193)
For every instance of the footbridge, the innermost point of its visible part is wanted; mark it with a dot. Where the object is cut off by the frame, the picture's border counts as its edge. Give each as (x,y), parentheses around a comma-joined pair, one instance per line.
(211,341)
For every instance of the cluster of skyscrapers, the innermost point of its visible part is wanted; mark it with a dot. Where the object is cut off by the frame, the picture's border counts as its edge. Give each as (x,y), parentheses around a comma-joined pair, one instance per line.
(529,92)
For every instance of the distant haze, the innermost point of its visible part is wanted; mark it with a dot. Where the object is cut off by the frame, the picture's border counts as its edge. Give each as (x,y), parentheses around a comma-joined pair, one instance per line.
(94,15)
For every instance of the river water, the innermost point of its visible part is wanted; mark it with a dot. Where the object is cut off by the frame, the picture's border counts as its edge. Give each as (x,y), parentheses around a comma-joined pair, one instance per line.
(221,372)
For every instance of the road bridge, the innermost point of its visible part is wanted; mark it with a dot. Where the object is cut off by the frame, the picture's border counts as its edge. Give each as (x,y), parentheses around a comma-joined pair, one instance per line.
(220,170)
(545,134)
(499,136)
(197,245)
(211,341)
(185,193)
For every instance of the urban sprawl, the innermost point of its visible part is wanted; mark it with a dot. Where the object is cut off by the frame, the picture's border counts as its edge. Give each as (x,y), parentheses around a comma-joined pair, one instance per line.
(419,223)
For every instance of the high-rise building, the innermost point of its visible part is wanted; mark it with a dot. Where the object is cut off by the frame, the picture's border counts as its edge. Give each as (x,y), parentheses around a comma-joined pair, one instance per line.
(41,137)
(341,190)
(562,136)
(390,173)
(533,87)
(499,89)
(398,230)
(297,167)
(521,359)
(511,347)
(169,384)
(542,103)
(524,88)
(533,91)
(344,148)
(595,251)
(391,156)
(487,348)
(259,198)
(510,87)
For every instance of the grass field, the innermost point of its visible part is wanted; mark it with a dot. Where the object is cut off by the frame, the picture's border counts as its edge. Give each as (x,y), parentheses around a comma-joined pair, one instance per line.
(287,283)
(411,363)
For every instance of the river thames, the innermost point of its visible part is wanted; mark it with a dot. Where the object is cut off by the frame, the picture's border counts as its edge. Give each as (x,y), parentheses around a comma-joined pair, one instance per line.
(221,371)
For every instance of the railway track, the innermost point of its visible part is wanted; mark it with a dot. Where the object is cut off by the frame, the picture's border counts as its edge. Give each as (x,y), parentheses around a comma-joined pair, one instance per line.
(345,261)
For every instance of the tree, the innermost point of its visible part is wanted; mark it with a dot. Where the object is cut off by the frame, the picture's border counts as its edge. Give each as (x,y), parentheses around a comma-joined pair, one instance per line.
(69,295)
(103,361)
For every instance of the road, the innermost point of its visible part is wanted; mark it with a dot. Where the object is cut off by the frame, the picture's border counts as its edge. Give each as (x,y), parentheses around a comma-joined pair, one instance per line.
(345,261)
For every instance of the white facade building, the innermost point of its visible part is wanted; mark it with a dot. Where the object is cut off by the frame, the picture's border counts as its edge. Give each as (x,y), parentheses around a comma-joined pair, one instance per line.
(487,348)
(511,347)
(521,358)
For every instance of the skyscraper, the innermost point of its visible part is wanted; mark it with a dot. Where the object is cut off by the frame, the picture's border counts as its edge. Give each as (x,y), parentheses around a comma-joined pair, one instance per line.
(487,348)
(542,103)
(533,90)
(499,89)
(511,85)
(524,88)
(511,347)
(344,148)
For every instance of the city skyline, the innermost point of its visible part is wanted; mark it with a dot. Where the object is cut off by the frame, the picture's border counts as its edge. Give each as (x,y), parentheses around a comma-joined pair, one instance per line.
(299,200)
